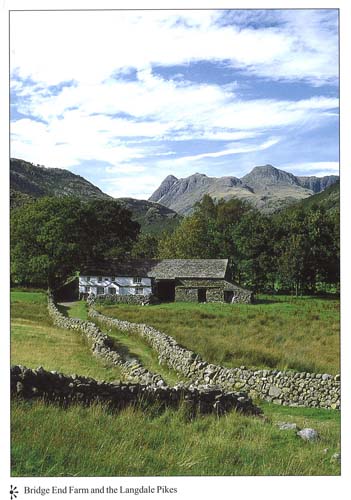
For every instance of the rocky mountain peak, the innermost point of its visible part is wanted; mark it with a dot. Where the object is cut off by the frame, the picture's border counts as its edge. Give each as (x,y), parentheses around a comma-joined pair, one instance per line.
(164,187)
(267,175)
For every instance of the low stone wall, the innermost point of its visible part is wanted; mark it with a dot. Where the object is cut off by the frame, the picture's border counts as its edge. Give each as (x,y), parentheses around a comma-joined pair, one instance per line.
(102,346)
(125,299)
(287,388)
(63,389)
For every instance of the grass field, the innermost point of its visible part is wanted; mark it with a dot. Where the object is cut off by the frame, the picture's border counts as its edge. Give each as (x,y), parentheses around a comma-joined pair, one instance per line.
(281,332)
(51,441)
(94,442)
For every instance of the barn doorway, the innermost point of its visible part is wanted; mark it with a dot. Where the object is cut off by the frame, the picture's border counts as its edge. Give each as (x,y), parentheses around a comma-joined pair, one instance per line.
(201,295)
(166,290)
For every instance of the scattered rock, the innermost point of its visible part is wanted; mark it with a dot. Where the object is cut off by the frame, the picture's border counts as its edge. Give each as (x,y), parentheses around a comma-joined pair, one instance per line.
(336,457)
(287,426)
(308,434)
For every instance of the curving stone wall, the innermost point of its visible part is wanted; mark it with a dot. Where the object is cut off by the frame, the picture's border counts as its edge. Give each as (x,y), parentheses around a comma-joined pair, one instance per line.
(102,346)
(287,388)
(52,386)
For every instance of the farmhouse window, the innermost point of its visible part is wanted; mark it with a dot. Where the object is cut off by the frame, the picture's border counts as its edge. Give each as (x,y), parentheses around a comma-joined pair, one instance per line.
(112,291)
(136,280)
(139,290)
(87,289)
(100,290)
(99,279)
(88,278)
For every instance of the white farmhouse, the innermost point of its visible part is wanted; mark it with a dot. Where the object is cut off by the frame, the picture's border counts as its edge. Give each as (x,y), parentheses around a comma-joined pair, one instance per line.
(114,285)
(185,280)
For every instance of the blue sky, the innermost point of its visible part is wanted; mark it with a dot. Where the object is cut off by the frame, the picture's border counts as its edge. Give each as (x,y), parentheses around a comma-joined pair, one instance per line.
(126,98)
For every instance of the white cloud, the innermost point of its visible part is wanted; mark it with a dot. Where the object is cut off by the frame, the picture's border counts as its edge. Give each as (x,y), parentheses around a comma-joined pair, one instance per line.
(228,151)
(317,168)
(94,43)
(125,169)
(122,186)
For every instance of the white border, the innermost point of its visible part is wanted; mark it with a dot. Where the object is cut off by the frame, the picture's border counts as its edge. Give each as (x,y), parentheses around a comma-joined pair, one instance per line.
(269,488)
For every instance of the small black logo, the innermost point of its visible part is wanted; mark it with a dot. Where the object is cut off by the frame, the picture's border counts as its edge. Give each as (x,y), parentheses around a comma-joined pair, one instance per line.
(13,492)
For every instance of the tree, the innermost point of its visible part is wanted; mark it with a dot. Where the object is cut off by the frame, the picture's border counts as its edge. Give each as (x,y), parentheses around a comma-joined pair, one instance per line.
(195,237)
(109,228)
(308,249)
(52,237)
(253,237)
(146,247)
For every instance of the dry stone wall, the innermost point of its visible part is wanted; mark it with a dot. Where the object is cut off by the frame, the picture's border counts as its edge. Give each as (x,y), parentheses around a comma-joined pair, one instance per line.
(150,388)
(102,346)
(52,386)
(286,388)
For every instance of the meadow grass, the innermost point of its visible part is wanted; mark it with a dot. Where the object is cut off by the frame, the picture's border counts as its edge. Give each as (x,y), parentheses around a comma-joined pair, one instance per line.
(281,332)
(36,342)
(93,441)
(37,296)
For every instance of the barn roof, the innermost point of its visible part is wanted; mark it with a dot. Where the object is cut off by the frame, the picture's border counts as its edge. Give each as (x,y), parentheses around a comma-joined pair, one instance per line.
(160,269)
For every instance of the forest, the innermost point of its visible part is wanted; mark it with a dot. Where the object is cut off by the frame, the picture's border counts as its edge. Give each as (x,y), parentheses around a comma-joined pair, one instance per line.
(295,250)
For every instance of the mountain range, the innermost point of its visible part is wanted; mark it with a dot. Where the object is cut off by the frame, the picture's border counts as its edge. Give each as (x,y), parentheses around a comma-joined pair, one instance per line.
(265,187)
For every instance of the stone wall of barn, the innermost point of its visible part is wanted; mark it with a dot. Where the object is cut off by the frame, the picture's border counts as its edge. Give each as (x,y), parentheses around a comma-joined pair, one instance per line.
(241,295)
(186,290)
(185,294)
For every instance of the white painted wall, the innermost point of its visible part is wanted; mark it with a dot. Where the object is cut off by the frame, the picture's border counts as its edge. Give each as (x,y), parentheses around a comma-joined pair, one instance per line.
(122,284)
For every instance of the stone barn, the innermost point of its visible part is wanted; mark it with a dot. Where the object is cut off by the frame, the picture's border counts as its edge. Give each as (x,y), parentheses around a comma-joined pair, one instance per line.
(180,280)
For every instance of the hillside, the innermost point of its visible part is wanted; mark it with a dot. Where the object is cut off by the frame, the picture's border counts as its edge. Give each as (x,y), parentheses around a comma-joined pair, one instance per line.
(265,187)
(37,181)
(152,217)
(28,181)
(329,199)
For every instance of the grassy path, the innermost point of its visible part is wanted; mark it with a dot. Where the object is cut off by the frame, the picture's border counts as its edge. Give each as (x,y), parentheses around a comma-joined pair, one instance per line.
(137,348)
(129,346)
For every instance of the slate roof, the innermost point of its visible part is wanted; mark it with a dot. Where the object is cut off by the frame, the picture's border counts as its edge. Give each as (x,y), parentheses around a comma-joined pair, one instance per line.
(160,269)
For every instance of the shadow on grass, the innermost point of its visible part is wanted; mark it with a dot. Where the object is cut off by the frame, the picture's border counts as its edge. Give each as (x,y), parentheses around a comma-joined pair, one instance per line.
(265,301)
(63,309)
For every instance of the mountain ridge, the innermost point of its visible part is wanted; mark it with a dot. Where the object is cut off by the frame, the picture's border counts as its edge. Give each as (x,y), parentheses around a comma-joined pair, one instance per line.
(265,187)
